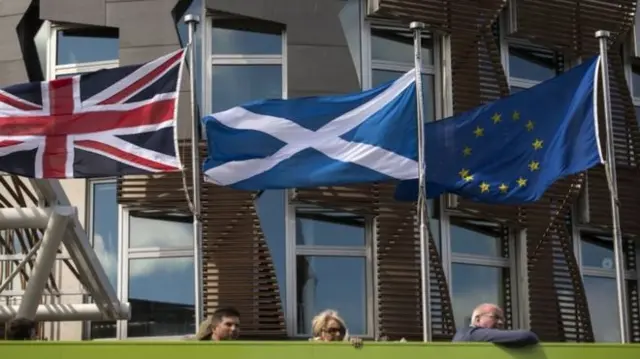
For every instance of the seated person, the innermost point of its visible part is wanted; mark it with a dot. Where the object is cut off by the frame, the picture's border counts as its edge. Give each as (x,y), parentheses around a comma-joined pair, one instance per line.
(329,327)
(223,324)
(21,329)
(487,323)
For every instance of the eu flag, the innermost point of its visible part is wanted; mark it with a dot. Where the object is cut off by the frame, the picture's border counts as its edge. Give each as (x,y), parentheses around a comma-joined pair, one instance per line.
(512,150)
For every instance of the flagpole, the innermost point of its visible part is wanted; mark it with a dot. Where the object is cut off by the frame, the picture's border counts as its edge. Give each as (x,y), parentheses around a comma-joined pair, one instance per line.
(417,28)
(603,37)
(192,21)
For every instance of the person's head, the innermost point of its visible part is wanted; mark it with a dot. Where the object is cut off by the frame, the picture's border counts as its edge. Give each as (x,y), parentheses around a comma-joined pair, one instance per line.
(223,324)
(329,327)
(487,316)
(21,329)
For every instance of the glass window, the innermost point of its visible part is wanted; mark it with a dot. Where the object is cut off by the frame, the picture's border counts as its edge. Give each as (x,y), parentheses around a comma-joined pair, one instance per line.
(271,211)
(398,47)
(236,42)
(635,82)
(321,227)
(105,228)
(531,64)
(237,84)
(602,308)
(472,285)
(515,89)
(332,283)
(82,45)
(156,233)
(597,251)
(104,237)
(380,77)
(475,237)
(161,294)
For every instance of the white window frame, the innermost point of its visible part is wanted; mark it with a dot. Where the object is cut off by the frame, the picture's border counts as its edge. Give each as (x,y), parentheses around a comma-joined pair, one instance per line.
(125,254)
(210,60)
(515,241)
(293,250)
(54,70)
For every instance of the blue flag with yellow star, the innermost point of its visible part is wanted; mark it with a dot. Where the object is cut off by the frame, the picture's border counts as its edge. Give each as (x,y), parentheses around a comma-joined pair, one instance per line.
(512,150)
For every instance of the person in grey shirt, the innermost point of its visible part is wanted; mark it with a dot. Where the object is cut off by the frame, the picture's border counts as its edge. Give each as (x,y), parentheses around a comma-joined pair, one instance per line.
(487,325)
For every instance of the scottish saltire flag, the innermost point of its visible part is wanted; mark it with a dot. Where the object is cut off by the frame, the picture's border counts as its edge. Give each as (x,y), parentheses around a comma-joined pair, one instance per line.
(512,150)
(316,141)
(99,124)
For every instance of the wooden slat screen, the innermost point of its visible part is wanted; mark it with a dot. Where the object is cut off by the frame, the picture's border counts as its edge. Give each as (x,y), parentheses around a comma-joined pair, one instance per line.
(237,266)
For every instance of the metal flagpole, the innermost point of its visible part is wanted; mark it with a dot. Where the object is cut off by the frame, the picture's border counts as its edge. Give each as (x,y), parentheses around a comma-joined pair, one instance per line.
(603,37)
(192,21)
(417,28)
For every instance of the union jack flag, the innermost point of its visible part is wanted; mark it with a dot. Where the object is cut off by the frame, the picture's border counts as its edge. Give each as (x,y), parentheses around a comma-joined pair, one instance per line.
(100,124)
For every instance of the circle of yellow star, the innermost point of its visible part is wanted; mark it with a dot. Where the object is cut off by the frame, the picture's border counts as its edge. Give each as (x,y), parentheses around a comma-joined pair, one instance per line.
(479,131)
(537,144)
(464,173)
(503,188)
(484,187)
(467,151)
(522,182)
(534,166)
(529,126)
(468,178)
(496,118)
(515,116)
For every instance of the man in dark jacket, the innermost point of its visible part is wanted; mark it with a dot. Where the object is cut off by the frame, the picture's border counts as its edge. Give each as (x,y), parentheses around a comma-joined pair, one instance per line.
(487,323)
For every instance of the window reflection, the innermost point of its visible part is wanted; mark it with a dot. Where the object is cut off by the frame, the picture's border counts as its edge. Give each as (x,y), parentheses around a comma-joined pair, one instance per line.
(332,283)
(380,77)
(476,237)
(161,294)
(157,233)
(83,45)
(603,310)
(271,211)
(472,285)
(104,238)
(317,226)
(231,41)
(398,47)
(635,83)
(531,64)
(597,251)
(238,84)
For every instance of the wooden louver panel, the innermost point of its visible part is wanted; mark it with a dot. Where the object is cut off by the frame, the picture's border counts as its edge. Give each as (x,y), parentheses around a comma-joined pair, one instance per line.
(398,260)
(557,299)
(237,266)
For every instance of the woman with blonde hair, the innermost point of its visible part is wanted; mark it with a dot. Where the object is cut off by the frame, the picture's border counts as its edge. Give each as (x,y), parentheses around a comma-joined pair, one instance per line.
(328,326)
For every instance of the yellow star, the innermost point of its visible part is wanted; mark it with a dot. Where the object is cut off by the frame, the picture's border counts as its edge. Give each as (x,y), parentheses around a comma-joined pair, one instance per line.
(516,115)
(467,151)
(503,188)
(529,126)
(534,165)
(496,118)
(468,178)
(537,144)
(479,131)
(522,182)
(484,187)
(463,173)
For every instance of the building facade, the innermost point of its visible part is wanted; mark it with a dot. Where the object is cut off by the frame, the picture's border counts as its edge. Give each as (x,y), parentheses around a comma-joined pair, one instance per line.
(282,256)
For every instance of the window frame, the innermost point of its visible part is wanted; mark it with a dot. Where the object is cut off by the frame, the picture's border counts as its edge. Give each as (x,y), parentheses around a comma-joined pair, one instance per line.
(293,250)
(125,254)
(209,60)
(53,69)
